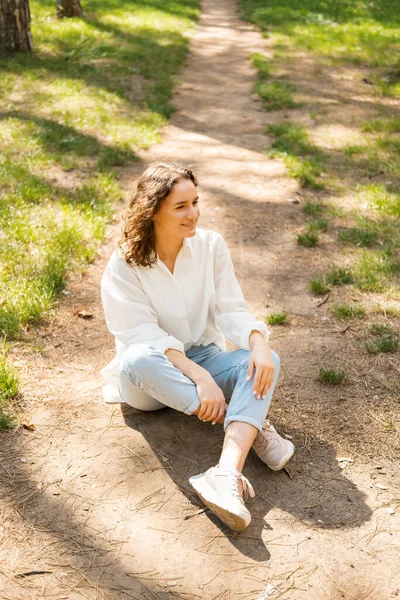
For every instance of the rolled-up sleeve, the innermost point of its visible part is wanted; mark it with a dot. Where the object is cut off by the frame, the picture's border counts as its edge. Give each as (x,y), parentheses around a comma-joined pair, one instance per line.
(128,313)
(232,313)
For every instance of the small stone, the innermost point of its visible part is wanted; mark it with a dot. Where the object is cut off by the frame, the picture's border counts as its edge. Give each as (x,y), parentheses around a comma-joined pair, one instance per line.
(380,486)
(293,200)
(390,510)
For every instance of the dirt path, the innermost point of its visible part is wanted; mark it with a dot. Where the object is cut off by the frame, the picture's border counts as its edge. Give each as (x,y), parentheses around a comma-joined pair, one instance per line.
(97,497)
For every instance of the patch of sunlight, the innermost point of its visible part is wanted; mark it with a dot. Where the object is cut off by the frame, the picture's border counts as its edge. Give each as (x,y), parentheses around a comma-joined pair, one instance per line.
(334,136)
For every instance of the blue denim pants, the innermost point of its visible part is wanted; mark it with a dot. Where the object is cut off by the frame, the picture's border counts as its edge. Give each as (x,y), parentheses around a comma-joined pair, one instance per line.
(145,369)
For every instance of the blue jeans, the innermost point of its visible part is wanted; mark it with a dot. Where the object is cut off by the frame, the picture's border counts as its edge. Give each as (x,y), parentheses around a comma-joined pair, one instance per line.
(145,369)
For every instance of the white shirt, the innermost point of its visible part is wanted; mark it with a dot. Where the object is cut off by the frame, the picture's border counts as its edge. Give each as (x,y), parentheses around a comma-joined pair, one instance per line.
(196,305)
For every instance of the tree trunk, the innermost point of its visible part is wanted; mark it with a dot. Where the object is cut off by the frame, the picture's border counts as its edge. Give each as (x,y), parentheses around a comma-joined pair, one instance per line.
(15,26)
(337,11)
(69,8)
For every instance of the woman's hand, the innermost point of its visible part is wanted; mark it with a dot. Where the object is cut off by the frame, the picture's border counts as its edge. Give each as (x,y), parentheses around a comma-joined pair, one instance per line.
(261,360)
(212,401)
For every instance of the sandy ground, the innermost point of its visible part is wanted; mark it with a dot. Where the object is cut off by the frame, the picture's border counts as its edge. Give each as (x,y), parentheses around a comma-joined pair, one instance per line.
(95,501)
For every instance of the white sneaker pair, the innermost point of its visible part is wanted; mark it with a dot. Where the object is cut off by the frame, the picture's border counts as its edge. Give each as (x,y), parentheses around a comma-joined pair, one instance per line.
(226,491)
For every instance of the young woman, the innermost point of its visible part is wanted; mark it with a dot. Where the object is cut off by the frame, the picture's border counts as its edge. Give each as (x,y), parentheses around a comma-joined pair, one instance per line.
(170,294)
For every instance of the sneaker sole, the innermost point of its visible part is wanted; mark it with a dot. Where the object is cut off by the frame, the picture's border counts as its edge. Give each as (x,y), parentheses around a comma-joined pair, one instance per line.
(208,496)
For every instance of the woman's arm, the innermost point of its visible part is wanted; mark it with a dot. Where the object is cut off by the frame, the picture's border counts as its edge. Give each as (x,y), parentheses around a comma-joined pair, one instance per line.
(261,360)
(232,313)
(212,401)
(187,366)
(128,313)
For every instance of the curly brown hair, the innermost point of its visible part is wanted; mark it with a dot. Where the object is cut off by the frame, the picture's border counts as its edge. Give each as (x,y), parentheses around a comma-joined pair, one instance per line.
(154,185)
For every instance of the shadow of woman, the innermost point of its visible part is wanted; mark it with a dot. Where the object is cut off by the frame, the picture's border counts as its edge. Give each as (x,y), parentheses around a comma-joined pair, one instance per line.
(313,488)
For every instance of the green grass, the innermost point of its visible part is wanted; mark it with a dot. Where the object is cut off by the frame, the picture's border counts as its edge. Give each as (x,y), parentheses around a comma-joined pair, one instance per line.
(377,271)
(388,310)
(290,138)
(382,125)
(275,95)
(357,236)
(384,344)
(380,329)
(9,390)
(312,209)
(362,33)
(302,159)
(93,93)
(319,225)
(319,287)
(385,339)
(339,33)
(332,376)
(306,171)
(378,197)
(262,65)
(309,239)
(339,275)
(348,311)
(278,318)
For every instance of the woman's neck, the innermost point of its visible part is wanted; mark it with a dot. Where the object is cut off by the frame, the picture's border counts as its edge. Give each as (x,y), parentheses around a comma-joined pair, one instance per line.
(168,247)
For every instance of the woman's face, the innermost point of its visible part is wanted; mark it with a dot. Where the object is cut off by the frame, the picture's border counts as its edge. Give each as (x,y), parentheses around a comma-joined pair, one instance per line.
(179,212)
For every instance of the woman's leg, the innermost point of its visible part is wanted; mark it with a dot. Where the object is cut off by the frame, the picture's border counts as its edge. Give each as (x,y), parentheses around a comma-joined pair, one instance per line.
(149,381)
(223,488)
(136,397)
(229,370)
(239,438)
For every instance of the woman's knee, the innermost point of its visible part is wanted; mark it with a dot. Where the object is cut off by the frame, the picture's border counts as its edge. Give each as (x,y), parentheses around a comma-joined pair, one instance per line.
(277,362)
(243,357)
(138,360)
(135,396)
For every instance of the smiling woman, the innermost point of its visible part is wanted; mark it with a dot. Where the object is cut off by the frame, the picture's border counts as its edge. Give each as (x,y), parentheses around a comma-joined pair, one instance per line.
(165,201)
(170,295)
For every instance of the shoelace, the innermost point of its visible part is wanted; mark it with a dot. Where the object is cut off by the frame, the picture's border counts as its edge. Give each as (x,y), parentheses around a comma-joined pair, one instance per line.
(247,488)
(240,486)
(268,428)
(267,432)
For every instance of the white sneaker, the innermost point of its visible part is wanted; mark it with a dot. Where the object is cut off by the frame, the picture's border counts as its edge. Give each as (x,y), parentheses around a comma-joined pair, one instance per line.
(225,492)
(272,448)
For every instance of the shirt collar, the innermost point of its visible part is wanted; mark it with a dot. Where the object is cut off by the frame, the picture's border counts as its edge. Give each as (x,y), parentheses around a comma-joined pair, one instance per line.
(188,245)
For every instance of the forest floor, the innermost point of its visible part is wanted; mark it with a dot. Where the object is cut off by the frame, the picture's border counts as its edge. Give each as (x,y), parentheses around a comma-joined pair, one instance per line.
(96,497)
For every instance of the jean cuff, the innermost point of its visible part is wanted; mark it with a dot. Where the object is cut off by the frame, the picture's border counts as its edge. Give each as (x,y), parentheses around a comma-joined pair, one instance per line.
(243,419)
(190,409)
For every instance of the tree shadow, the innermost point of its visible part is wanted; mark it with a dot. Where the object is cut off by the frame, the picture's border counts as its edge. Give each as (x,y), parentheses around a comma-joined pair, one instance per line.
(286,15)
(110,64)
(57,138)
(313,489)
(86,551)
